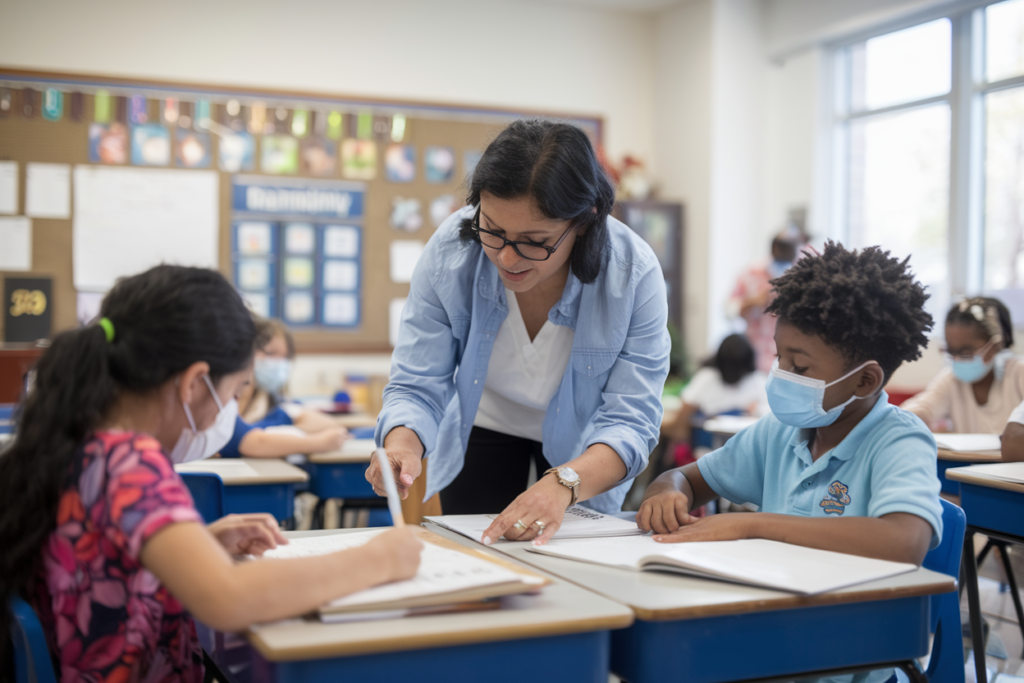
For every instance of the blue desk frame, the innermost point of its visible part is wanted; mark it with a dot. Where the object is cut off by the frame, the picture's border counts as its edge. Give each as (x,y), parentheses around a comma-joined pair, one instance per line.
(999,514)
(213,499)
(347,481)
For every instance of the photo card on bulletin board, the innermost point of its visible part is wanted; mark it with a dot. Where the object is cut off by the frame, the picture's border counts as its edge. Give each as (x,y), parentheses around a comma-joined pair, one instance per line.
(341,241)
(299,238)
(341,309)
(358,159)
(439,164)
(318,157)
(108,143)
(255,238)
(151,145)
(279,154)
(193,150)
(340,276)
(299,308)
(237,152)
(400,163)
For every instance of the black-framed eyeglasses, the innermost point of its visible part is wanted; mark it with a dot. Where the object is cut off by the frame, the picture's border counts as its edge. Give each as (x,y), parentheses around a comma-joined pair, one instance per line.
(531,251)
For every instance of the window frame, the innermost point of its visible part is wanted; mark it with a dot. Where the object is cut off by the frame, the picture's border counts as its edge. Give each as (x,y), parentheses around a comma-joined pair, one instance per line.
(966,101)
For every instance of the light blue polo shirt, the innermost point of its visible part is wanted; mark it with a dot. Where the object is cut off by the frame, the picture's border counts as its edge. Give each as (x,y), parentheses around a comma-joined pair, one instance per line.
(886,464)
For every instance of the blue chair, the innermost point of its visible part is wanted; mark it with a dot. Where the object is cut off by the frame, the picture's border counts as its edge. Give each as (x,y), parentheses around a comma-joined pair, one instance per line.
(31,654)
(947,660)
(207,491)
(362,432)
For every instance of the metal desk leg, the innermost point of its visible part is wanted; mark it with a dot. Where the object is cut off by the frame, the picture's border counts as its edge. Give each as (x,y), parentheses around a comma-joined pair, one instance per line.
(1004,552)
(974,605)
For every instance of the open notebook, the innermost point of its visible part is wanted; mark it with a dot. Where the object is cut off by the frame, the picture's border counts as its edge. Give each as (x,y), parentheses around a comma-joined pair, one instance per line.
(579,522)
(448,574)
(968,443)
(756,562)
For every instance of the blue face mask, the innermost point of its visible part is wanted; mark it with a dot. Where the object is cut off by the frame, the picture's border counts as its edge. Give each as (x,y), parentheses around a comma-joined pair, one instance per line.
(798,401)
(973,370)
(272,374)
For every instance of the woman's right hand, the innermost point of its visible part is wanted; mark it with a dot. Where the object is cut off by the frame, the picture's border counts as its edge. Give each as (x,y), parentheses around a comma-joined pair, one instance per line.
(397,553)
(405,453)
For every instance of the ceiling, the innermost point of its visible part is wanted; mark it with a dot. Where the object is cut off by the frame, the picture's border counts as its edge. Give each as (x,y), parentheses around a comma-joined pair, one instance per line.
(636,6)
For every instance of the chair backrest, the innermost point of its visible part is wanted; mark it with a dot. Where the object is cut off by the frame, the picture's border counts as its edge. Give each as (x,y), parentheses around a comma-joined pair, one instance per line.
(945,558)
(31,654)
(207,491)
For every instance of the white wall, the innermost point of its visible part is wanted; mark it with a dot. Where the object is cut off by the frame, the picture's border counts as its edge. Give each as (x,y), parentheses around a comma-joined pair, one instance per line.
(488,52)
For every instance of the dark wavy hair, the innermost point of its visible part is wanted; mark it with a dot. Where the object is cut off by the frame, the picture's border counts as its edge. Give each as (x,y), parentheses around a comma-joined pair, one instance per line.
(734,359)
(555,165)
(164,320)
(863,303)
(994,319)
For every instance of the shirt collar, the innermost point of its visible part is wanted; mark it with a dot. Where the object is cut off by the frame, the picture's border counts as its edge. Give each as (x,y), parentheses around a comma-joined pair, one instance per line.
(851,444)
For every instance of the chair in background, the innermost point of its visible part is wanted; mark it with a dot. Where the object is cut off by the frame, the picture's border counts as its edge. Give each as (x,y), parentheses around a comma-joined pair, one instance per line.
(207,491)
(947,660)
(31,654)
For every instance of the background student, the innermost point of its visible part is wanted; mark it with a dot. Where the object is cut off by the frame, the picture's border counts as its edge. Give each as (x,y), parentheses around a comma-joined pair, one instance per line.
(984,381)
(99,532)
(263,410)
(1013,435)
(835,466)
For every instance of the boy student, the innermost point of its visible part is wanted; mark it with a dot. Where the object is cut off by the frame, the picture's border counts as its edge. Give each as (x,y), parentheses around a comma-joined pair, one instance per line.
(835,466)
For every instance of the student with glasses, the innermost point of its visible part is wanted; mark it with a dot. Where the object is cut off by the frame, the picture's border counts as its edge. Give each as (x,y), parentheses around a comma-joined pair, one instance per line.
(534,333)
(984,381)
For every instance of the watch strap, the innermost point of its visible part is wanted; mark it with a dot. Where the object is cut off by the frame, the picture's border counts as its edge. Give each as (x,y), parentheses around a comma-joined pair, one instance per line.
(573,488)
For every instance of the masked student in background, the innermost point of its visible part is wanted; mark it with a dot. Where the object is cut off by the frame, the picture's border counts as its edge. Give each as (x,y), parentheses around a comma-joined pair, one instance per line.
(984,381)
(268,426)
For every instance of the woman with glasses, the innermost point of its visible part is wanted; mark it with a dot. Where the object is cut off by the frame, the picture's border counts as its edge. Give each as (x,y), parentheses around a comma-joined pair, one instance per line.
(534,334)
(984,381)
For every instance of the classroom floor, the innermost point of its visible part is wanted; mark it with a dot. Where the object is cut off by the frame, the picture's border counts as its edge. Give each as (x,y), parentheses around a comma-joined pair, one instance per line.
(1005,664)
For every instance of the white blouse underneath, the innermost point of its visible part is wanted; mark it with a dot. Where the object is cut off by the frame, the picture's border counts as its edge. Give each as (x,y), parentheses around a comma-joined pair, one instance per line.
(522,376)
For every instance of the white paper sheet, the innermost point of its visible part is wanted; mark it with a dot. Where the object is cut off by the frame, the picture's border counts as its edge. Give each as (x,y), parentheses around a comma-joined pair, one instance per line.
(130,219)
(395,307)
(404,256)
(15,243)
(579,522)
(441,570)
(756,562)
(1006,471)
(48,190)
(225,467)
(968,443)
(9,187)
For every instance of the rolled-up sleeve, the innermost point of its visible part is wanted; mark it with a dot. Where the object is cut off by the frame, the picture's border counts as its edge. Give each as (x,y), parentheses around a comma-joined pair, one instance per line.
(629,417)
(424,361)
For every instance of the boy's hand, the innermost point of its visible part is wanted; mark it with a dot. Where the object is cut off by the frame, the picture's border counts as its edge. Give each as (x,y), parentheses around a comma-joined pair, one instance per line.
(730,526)
(664,510)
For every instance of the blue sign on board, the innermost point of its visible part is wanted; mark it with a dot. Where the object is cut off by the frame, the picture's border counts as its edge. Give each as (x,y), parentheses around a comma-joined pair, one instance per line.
(326,200)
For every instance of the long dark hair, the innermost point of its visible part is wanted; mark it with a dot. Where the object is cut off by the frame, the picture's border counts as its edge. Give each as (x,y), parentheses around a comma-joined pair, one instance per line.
(555,165)
(734,359)
(164,320)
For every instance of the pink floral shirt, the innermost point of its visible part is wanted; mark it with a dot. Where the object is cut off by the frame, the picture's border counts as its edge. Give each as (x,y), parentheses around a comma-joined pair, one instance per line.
(106,617)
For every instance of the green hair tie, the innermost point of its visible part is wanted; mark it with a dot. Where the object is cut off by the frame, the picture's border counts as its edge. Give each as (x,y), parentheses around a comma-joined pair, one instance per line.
(108,328)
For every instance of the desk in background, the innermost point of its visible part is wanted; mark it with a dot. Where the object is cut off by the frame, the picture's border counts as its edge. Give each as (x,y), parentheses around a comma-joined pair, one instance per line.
(953,459)
(224,486)
(562,633)
(994,507)
(725,426)
(704,631)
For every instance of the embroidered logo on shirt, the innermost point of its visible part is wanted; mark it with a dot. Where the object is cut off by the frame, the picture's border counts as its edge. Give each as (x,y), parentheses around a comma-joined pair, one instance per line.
(837,498)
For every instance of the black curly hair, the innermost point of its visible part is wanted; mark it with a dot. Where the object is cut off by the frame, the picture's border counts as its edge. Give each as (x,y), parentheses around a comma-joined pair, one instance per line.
(864,303)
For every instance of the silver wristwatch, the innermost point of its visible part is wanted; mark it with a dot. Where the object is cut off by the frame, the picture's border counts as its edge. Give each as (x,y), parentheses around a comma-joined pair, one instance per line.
(568,478)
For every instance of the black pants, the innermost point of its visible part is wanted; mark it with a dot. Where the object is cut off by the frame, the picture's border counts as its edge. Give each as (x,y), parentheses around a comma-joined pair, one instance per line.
(495,471)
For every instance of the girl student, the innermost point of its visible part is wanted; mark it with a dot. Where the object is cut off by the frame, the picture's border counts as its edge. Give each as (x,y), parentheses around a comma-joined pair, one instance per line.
(99,532)
(267,426)
(984,381)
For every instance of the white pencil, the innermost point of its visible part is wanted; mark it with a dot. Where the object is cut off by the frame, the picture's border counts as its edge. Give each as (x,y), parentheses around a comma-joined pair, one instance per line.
(394,502)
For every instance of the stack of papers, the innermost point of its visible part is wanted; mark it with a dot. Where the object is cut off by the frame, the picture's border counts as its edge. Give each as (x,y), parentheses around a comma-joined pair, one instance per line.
(756,562)
(968,443)
(447,575)
(1003,471)
(579,522)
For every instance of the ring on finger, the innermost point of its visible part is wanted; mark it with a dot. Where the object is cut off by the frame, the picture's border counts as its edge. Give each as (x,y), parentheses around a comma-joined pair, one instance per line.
(539,524)
(519,525)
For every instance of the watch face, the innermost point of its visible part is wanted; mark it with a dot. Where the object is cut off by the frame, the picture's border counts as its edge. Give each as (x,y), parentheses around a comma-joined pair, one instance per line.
(568,474)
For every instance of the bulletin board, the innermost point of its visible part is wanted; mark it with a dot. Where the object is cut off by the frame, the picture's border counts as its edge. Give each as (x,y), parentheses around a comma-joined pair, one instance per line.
(277,139)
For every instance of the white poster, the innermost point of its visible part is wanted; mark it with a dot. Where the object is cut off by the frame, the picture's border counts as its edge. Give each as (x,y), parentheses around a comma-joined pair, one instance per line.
(130,219)
(9,187)
(15,243)
(404,256)
(48,190)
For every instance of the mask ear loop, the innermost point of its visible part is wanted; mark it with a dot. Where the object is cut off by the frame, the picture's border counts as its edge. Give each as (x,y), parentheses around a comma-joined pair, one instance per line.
(216,398)
(188,411)
(851,373)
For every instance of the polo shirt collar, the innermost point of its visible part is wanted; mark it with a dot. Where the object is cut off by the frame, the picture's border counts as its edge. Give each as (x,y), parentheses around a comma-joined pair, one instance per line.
(851,444)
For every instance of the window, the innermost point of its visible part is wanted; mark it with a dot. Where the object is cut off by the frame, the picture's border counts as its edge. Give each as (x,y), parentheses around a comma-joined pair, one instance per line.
(930,149)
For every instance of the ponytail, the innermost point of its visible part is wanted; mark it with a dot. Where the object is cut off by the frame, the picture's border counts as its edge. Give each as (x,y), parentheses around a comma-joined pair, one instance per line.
(163,321)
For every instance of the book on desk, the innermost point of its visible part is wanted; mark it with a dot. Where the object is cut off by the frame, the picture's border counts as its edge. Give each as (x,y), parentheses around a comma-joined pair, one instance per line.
(968,443)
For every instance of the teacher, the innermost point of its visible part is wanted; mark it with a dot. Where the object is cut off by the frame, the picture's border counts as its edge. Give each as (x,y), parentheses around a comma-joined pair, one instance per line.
(535,330)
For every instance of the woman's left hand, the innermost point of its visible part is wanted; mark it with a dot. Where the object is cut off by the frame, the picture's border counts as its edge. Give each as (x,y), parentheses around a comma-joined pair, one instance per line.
(250,534)
(534,516)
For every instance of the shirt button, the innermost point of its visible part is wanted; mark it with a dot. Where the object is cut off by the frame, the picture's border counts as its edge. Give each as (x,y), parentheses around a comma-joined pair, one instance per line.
(807,484)
(475,381)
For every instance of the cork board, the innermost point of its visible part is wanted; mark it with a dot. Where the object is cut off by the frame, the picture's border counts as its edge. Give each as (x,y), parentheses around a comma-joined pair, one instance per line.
(27,139)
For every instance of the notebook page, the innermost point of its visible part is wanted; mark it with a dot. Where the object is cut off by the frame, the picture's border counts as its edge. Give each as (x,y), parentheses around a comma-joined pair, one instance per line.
(579,522)
(441,570)
(756,562)
(968,443)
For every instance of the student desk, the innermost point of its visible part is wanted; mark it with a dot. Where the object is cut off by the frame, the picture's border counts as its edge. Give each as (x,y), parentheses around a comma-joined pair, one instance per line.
(561,635)
(342,474)
(703,631)
(266,485)
(995,508)
(352,420)
(725,426)
(952,459)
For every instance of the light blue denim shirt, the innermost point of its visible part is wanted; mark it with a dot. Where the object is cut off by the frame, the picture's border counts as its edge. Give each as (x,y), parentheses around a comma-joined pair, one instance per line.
(610,392)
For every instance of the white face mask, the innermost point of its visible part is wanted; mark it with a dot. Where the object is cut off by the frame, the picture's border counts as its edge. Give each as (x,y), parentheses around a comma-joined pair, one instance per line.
(196,445)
